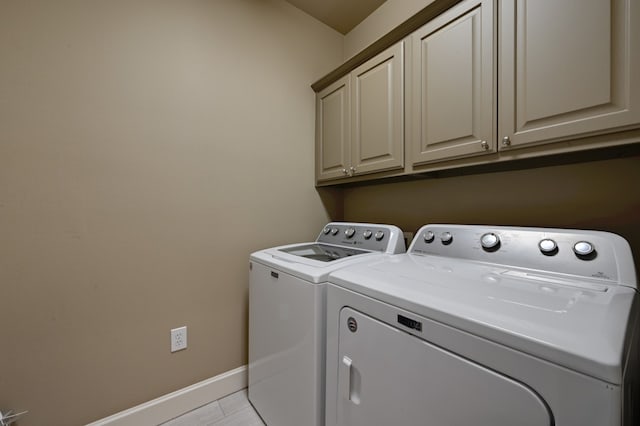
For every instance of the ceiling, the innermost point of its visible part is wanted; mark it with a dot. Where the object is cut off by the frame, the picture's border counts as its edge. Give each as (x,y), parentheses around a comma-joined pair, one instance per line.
(341,15)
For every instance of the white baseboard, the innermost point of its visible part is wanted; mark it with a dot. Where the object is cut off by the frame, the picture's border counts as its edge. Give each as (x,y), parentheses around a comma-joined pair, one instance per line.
(179,402)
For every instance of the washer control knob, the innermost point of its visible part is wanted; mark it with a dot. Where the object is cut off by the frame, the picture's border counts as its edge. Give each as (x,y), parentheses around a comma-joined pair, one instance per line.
(429,236)
(548,247)
(446,238)
(367,234)
(490,241)
(584,250)
(349,232)
(326,230)
(334,231)
(379,235)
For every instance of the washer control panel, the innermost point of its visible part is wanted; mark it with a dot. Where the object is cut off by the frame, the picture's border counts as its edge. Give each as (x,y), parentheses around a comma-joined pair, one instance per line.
(366,236)
(593,254)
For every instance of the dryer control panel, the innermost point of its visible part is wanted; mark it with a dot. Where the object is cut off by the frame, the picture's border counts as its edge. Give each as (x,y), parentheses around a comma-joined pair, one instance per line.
(587,254)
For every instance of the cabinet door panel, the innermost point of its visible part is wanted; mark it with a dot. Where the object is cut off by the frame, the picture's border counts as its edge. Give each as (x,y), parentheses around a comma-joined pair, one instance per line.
(566,68)
(453,76)
(333,131)
(378,113)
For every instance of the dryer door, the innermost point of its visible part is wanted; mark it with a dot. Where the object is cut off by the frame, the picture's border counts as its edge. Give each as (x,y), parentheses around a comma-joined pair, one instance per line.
(389,377)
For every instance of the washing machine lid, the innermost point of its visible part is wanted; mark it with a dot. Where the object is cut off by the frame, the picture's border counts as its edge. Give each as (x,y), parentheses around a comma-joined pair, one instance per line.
(581,328)
(322,252)
(306,268)
(339,244)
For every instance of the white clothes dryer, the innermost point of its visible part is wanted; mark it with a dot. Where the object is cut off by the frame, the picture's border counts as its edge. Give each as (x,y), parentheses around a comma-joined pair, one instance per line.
(287,294)
(486,326)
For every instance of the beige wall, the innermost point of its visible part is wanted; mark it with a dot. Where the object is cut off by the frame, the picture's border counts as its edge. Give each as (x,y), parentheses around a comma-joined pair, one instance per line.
(385,18)
(146,148)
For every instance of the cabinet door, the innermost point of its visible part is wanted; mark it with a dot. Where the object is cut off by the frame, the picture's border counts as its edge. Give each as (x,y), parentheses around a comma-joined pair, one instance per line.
(453,84)
(568,68)
(333,130)
(378,113)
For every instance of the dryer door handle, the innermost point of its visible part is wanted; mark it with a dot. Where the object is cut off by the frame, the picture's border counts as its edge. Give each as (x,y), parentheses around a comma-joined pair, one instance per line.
(350,380)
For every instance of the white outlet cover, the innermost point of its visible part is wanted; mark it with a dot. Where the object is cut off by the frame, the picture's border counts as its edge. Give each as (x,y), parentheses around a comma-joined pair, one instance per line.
(179,339)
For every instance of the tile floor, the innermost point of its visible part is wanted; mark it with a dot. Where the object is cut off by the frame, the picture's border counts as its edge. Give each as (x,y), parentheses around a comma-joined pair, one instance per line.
(232,410)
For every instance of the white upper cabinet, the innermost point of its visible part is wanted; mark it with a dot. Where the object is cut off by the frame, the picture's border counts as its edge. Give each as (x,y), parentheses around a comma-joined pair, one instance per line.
(567,68)
(453,84)
(360,119)
(333,130)
(378,113)
(509,78)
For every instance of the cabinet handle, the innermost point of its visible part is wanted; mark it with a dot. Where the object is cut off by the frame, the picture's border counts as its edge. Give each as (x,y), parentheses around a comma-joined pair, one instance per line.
(344,171)
(484,145)
(353,170)
(506,141)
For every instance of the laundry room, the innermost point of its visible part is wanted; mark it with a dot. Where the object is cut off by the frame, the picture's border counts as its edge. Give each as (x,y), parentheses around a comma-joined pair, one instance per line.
(147,148)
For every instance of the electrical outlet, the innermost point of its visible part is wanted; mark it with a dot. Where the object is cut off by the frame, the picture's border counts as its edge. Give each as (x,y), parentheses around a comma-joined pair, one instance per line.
(179,339)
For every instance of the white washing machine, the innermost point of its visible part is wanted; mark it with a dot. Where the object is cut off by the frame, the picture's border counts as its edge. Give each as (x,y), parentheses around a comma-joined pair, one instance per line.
(486,326)
(287,294)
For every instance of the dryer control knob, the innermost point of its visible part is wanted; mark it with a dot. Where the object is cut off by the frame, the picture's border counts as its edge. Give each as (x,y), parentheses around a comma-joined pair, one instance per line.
(379,235)
(349,232)
(429,236)
(584,250)
(326,230)
(334,231)
(446,238)
(548,247)
(367,234)
(490,241)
